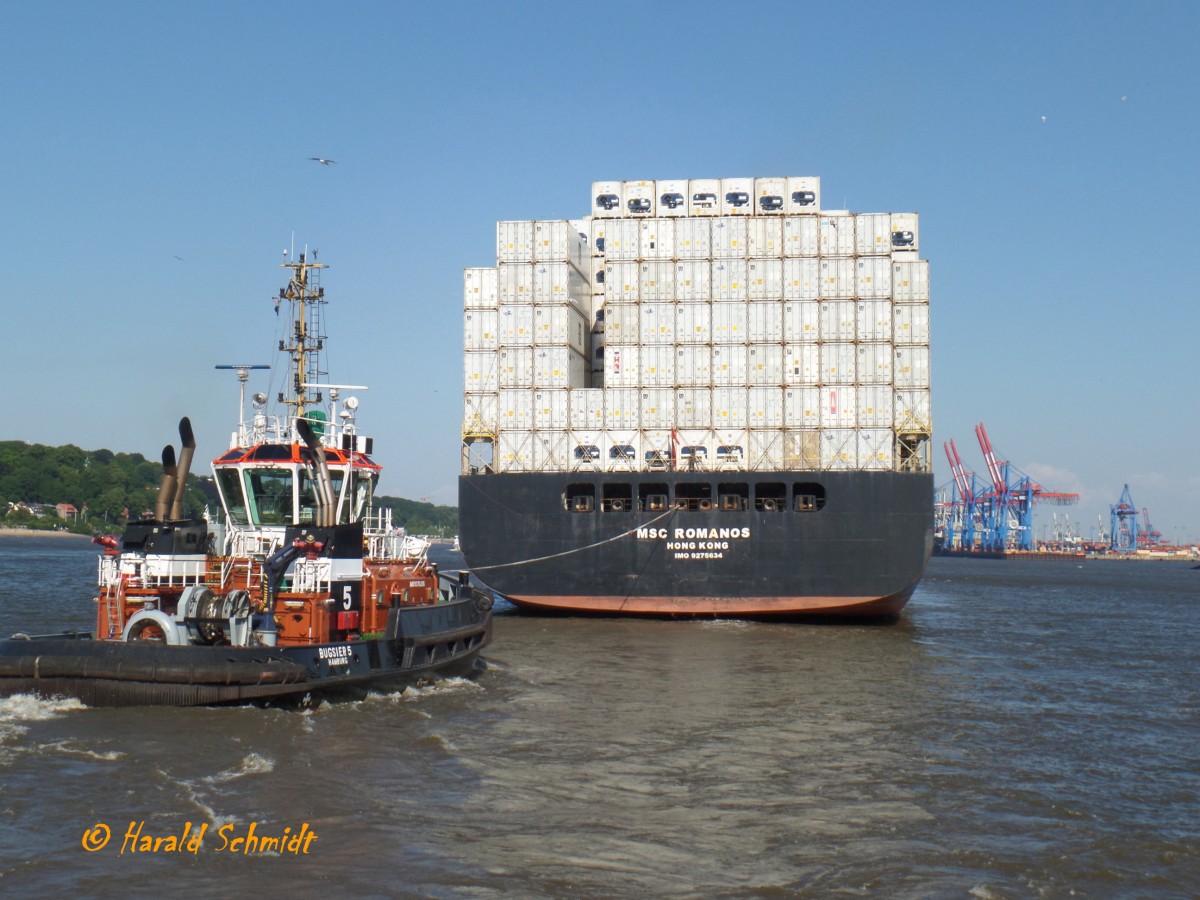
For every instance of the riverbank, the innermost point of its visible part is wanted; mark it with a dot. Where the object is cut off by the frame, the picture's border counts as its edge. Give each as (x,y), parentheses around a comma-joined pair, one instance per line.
(34,532)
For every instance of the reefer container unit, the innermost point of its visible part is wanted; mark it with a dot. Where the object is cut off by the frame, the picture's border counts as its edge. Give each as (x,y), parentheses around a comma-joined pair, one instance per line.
(770,196)
(737,196)
(704,197)
(639,199)
(803,195)
(672,197)
(606,200)
(905,235)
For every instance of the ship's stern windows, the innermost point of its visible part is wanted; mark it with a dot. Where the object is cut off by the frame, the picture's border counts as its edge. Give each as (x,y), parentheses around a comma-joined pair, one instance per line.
(617,497)
(733,497)
(653,497)
(808,496)
(770,496)
(580,498)
(693,495)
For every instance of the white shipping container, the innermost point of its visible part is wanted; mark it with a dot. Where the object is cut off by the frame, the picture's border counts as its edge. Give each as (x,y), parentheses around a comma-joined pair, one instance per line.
(837,320)
(801,279)
(621,407)
(874,363)
(672,197)
(838,362)
(560,367)
(765,452)
(770,196)
(801,450)
(515,282)
(912,414)
(480,371)
(551,451)
(623,239)
(622,365)
(561,326)
(836,234)
(657,324)
(737,196)
(764,319)
(606,200)
(729,279)
(560,282)
(693,364)
(480,327)
(514,367)
(621,280)
(873,234)
(910,323)
(515,406)
(731,445)
(801,408)
(730,236)
(658,448)
(873,277)
(803,195)
(839,407)
(911,368)
(656,280)
(514,324)
(480,289)
(764,277)
(584,449)
(801,321)
(693,238)
(599,232)
(620,453)
(704,197)
(559,241)
(514,242)
(910,281)
(656,366)
(586,409)
(693,407)
(801,364)
(514,451)
(693,279)
(801,236)
(621,323)
(764,364)
(551,409)
(905,235)
(875,449)
(693,322)
(729,365)
(638,198)
(697,449)
(729,406)
(480,415)
(876,408)
(839,449)
(873,320)
(838,278)
(764,237)
(764,407)
(657,407)
(656,239)
(729,324)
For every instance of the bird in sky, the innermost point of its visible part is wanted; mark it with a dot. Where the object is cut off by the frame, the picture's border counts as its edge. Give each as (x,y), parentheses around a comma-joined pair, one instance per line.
(1043,120)
(324,162)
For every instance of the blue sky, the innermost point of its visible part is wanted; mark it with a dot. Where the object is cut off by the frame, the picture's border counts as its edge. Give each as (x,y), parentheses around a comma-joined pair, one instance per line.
(1062,248)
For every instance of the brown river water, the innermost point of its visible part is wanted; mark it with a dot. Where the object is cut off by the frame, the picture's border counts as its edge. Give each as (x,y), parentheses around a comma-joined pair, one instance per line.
(1026,729)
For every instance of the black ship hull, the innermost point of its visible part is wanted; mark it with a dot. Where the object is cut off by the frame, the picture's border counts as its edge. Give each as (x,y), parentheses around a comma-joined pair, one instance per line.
(779,543)
(423,643)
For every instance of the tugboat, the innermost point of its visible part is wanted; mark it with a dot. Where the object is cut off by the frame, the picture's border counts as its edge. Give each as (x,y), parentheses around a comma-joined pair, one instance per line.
(298,588)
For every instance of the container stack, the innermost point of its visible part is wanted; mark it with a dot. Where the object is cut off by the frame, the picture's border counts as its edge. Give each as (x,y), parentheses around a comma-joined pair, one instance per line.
(708,324)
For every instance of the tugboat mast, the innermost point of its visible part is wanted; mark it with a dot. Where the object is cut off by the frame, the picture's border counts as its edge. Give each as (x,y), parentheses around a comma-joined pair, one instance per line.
(306,298)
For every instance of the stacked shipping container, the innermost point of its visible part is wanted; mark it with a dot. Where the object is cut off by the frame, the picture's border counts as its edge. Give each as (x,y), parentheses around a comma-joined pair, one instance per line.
(726,323)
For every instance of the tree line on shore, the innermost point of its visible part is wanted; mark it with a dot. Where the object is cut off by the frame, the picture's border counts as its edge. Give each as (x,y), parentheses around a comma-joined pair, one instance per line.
(107,489)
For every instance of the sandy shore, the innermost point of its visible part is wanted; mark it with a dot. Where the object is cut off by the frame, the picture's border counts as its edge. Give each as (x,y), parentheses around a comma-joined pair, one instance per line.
(31,532)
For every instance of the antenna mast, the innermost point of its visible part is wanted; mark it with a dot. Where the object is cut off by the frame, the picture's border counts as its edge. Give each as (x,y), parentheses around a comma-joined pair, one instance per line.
(306,298)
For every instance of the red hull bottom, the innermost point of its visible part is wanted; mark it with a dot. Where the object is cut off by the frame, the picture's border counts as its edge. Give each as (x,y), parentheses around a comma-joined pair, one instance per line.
(796,607)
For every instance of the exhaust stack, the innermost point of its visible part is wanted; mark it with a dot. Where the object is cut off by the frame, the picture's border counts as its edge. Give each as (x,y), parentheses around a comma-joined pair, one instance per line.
(324,484)
(187,450)
(166,491)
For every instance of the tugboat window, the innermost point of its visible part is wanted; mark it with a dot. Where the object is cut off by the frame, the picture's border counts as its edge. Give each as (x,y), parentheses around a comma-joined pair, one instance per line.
(270,494)
(231,494)
(808,497)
